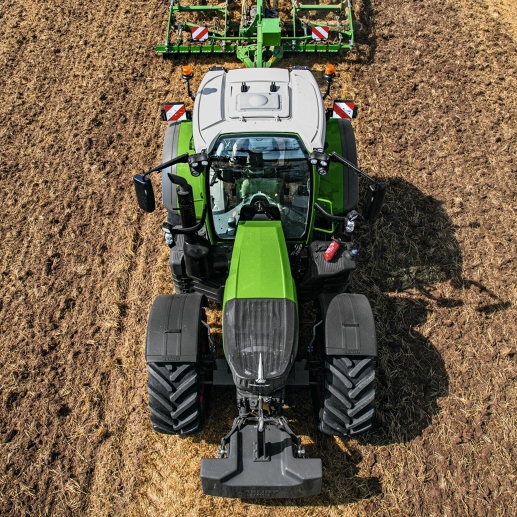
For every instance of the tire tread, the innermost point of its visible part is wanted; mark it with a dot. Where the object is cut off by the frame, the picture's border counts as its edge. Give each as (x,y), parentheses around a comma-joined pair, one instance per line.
(174,404)
(349,393)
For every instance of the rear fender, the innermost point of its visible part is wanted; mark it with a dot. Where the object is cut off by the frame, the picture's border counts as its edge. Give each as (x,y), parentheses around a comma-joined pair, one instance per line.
(341,184)
(178,137)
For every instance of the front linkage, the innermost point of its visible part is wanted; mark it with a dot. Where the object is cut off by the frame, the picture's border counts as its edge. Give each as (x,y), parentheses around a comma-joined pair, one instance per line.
(273,460)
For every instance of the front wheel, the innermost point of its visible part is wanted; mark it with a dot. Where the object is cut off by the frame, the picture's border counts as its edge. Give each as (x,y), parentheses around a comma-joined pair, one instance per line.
(177,352)
(348,395)
(176,401)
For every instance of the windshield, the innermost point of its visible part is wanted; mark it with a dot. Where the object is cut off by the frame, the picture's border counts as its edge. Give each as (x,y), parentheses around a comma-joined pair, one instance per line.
(259,177)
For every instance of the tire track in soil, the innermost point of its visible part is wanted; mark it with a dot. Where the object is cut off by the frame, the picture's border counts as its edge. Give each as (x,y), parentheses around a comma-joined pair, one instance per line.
(80,93)
(75,308)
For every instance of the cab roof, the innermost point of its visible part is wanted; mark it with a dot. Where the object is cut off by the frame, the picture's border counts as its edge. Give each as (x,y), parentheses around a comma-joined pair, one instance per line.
(258,100)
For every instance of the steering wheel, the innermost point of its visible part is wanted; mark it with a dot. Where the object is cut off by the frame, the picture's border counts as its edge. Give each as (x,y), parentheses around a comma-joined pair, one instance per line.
(260,207)
(260,202)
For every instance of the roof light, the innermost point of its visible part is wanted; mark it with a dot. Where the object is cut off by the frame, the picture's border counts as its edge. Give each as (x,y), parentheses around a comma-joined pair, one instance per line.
(187,72)
(330,69)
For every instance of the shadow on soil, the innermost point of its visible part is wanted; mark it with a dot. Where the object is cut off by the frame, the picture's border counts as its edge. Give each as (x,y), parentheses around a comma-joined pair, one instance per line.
(365,34)
(407,253)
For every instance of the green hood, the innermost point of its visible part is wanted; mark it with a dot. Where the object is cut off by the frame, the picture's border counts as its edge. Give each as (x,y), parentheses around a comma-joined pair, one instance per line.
(260,263)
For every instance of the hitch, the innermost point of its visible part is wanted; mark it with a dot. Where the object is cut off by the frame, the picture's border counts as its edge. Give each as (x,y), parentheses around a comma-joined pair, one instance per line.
(261,457)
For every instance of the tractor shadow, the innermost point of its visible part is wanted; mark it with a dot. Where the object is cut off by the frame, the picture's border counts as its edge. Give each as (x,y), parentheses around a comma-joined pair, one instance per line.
(409,251)
(404,256)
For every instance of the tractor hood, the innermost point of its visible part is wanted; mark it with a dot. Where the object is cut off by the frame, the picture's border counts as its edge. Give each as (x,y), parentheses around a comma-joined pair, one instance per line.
(260,264)
(260,323)
(258,100)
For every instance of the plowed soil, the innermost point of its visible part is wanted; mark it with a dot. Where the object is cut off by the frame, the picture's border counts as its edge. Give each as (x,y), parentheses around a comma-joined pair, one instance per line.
(80,92)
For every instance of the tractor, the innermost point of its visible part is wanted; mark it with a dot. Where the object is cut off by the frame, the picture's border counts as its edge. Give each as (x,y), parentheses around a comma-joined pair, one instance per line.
(261,187)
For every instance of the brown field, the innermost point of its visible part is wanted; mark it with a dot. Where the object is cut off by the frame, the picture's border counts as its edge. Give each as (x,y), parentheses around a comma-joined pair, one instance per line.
(80,92)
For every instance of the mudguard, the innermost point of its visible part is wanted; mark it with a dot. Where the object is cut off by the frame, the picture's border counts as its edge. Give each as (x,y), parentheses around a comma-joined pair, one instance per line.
(341,184)
(170,149)
(350,178)
(178,136)
(174,327)
(349,325)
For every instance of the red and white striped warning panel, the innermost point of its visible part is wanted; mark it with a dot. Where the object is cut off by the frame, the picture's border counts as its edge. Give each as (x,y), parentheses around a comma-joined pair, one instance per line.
(343,109)
(320,33)
(199,33)
(175,112)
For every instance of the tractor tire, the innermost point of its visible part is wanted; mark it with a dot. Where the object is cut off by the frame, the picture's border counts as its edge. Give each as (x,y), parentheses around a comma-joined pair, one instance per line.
(348,395)
(176,401)
(348,144)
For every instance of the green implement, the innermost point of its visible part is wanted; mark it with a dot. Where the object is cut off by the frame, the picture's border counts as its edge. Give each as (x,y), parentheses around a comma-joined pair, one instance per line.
(264,32)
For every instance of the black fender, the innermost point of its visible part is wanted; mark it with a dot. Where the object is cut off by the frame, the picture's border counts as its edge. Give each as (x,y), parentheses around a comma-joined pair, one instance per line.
(170,150)
(349,325)
(174,328)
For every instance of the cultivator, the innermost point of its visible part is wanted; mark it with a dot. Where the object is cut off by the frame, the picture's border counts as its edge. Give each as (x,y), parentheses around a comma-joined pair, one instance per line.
(264,32)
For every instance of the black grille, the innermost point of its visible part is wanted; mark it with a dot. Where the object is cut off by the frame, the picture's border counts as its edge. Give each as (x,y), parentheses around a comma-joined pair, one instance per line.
(255,327)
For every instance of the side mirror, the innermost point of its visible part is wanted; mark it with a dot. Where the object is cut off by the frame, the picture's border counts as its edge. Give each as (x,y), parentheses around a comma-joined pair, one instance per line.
(373,200)
(144,193)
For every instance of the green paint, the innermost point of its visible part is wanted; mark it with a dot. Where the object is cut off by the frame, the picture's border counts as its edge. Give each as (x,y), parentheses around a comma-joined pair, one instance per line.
(331,185)
(260,264)
(271,31)
(183,170)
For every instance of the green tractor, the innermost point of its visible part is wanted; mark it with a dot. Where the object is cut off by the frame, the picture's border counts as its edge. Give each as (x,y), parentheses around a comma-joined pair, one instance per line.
(261,188)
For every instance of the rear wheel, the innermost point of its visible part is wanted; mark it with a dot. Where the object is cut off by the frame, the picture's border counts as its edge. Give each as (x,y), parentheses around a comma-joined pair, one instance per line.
(176,401)
(348,395)
(350,178)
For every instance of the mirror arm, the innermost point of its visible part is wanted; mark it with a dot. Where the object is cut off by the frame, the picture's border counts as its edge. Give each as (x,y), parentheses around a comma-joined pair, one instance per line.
(183,158)
(338,158)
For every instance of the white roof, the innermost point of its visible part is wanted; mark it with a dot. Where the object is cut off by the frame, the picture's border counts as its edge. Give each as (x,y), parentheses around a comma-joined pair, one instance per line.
(295,105)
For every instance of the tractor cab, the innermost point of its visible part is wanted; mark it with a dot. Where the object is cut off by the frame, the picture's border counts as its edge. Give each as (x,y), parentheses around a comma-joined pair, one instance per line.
(258,128)
(257,177)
